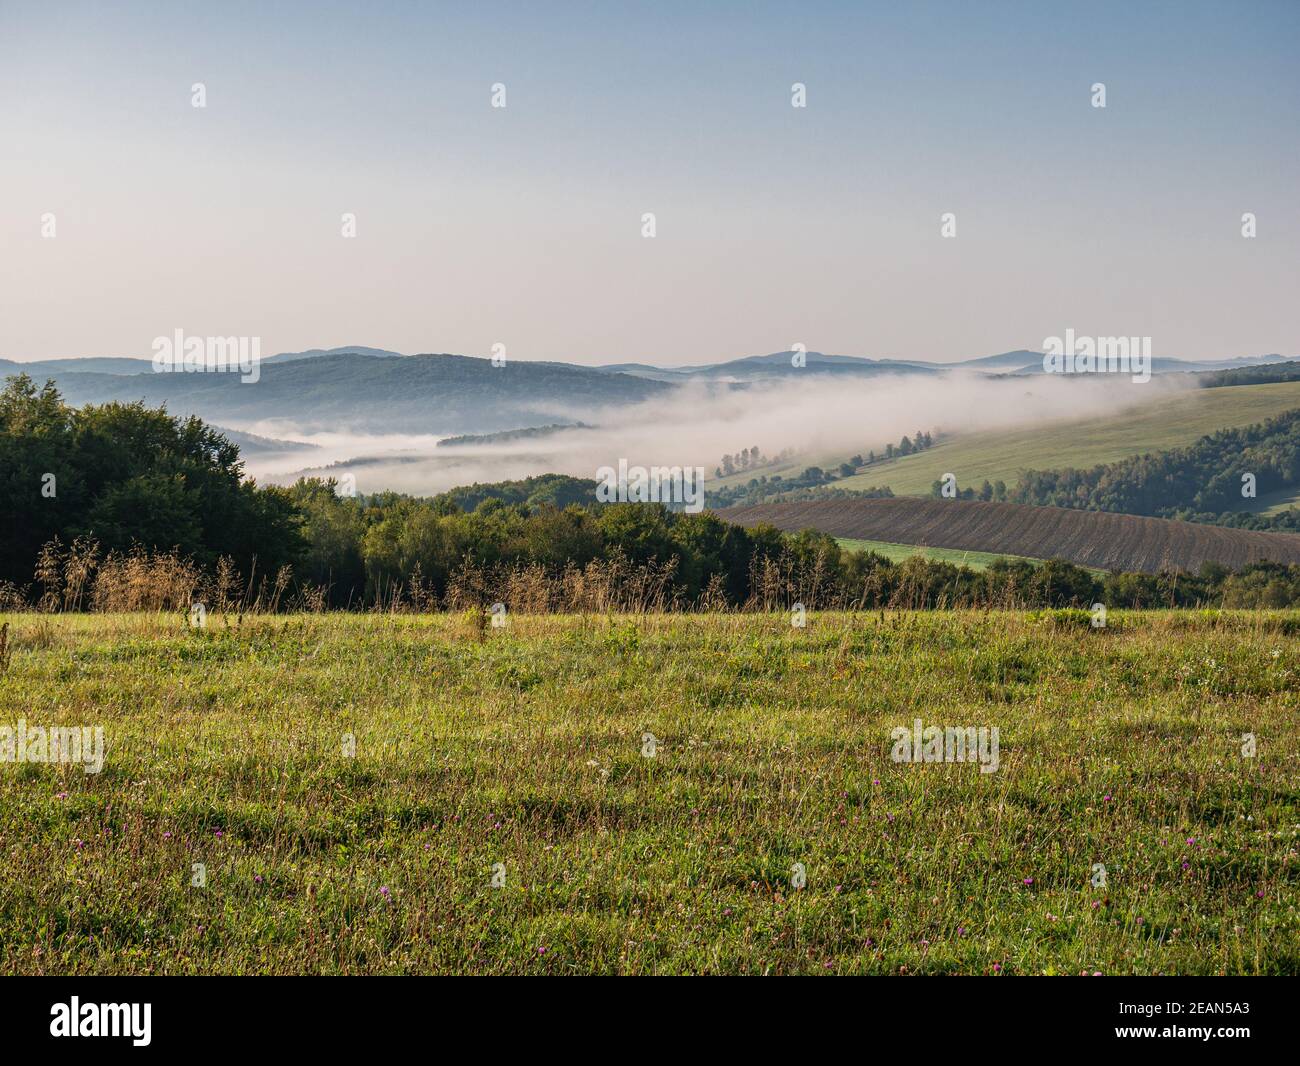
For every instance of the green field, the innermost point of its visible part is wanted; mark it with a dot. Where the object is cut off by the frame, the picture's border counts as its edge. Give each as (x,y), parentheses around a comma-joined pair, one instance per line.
(1274,502)
(524,747)
(1171,422)
(899,552)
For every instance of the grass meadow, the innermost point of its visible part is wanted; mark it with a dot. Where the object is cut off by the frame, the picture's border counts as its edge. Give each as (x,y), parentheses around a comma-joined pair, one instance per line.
(353,785)
(898,552)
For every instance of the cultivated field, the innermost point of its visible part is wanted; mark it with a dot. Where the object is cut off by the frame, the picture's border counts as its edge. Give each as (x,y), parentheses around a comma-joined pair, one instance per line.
(1089,538)
(352,785)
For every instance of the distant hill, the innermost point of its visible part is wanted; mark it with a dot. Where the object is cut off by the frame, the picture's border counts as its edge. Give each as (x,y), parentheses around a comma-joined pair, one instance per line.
(107,365)
(316,353)
(56,367)
(1163,365)
(1016,360)
(1086,538)
(777,364)
(746,368)
(252,444)
(510,436)
(439,394)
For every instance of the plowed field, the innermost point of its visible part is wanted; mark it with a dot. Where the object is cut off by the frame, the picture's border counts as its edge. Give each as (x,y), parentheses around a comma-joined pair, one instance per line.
(1088,538)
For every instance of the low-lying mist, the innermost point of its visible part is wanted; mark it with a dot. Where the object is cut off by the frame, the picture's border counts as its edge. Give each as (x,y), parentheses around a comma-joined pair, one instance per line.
(823,417)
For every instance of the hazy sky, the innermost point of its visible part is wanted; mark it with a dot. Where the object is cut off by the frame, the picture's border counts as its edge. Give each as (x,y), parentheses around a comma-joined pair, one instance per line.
(775,225)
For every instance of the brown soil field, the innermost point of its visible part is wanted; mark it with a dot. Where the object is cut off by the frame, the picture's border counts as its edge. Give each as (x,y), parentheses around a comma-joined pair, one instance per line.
(1088,538)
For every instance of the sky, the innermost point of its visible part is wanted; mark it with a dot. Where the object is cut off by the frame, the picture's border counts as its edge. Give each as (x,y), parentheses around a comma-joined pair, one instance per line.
(774,225)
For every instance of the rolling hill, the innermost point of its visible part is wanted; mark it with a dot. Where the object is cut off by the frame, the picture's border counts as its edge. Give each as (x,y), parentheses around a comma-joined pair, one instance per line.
(443,394)
(1173,422)
(1087,538)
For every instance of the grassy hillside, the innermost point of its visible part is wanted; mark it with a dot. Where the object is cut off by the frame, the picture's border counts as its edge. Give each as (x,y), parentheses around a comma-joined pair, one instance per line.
(523,747)
(1170,423)
(1273,502)
(898,552)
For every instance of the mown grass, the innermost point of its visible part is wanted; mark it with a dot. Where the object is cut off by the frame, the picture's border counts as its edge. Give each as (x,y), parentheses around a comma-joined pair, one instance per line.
(957,556)
(523,746)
